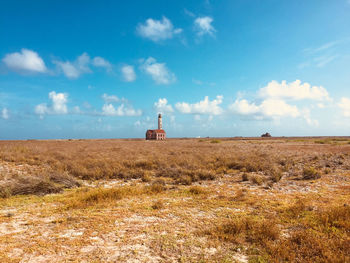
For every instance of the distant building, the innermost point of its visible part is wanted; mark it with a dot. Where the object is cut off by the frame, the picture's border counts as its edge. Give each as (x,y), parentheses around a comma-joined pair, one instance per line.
(266,135)
(158,134)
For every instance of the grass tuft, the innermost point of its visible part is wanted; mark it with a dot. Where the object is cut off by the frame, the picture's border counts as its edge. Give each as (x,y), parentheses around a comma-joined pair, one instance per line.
(310,173)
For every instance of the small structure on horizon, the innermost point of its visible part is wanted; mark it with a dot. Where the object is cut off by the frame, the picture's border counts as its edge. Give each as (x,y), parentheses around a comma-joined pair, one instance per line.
(158,134)
(266,135)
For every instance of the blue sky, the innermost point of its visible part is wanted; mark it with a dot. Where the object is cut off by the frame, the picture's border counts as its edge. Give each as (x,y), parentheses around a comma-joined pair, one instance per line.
(104,69)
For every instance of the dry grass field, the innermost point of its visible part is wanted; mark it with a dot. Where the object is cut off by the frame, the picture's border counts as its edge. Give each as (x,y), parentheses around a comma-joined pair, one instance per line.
(180,200)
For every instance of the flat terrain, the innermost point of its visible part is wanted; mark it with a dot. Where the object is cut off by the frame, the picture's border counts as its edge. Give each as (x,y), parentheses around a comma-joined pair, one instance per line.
(180,200)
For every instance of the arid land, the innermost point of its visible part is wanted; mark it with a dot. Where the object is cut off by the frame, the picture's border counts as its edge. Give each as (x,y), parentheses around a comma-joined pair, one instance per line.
(179,200)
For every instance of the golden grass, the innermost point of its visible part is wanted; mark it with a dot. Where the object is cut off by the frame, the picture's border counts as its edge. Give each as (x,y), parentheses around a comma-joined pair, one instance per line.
(86,197)
(185,200)
(46,183)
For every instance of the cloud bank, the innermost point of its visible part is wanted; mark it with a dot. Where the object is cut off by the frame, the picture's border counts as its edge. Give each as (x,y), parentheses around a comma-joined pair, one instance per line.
(202,107)
(295,90)
(74,69)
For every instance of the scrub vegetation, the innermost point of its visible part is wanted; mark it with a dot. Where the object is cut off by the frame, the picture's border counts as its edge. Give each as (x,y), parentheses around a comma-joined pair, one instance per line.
(179,200)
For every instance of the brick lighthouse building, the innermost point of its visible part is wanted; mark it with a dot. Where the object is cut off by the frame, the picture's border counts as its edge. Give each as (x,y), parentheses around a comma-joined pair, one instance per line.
(158,134)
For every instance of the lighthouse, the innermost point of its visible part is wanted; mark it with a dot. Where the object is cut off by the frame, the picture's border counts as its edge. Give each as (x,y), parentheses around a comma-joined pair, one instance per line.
(158,134)
(160,126)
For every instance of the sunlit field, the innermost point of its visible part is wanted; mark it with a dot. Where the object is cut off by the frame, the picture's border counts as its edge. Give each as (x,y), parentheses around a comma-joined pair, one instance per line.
(179,200)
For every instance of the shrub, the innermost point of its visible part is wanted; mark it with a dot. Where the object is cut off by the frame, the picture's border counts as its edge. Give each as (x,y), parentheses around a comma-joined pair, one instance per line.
(156,188)
(5,191)
(241,195)
(196,190)
(64,179)
(296,209)
(335,217)
(184,179)
(146,178)
(38,185)
(263,231)
(309,246)
(235,165)
(158,205)
(327,170)
(89,197)
(256,179)
(98,195)
(245,177)
(159,181)
(310,173)
(247,229)
(276,176)
(204,175)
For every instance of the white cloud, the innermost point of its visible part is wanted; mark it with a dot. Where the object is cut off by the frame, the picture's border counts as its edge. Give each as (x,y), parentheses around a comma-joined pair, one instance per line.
(272,104)
(68,69)
(157,30)
(74,69)
(203,107)
(191,14)
(278,108)
(197,117)
(200,83)
(101,62)
(137,123)
(322,55)
(26,60)
(87,105)
(121,110)
(322,61)
(41,110)
(294,90)
(203,26)
(58,105)
(322,48)
(82,63)
(5,114)
(306,115)
(113,99)
(110,98)
(320,105)
(124,109)
(162,106)
(145,122)
(344,105)
(128,73)
(59,102)
(269,108)
(243,107)
(77,110)
(158,71)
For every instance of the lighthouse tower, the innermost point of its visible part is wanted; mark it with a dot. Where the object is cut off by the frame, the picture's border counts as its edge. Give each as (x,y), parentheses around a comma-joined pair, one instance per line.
(160,125)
